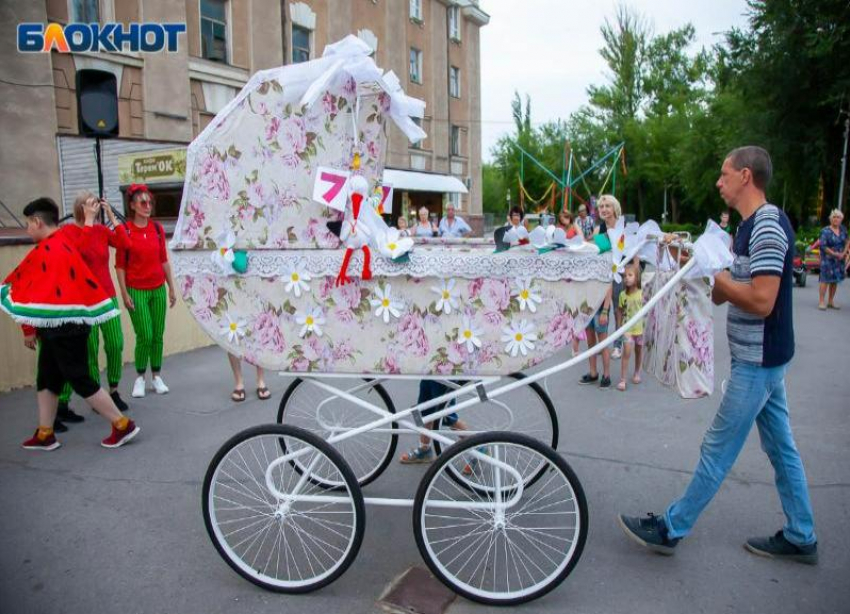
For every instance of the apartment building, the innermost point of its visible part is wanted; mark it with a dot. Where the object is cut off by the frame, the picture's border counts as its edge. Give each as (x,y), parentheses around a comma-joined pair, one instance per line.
(166,99)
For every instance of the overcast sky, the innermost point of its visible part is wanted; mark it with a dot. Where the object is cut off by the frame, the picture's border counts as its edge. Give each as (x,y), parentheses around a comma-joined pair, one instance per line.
(549,49)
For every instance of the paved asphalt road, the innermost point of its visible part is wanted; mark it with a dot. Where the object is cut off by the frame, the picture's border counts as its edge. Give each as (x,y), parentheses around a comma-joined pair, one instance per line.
(88,530)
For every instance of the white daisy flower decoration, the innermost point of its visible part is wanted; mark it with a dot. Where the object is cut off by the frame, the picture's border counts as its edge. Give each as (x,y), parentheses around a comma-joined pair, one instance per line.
(296,281)
(393,245)
(223,256)
(311,321)
(448,296)
(519,338)
(232,328)
(469,334)
(525,294)
(386,305)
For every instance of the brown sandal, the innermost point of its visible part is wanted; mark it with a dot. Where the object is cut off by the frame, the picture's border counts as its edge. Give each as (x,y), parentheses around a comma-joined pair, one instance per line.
(263,393)
(238,395)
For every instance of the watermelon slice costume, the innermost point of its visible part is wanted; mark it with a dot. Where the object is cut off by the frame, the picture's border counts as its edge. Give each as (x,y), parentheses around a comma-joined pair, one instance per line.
(52,286)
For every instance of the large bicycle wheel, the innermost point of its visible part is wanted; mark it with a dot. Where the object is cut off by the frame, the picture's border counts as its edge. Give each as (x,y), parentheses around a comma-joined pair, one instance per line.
(527,410)
(296,544)
(321,412)
(500,555)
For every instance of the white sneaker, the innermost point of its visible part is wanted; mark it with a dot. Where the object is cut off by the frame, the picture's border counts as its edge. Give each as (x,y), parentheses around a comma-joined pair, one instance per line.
(139,387)
(616,353)
(159,385)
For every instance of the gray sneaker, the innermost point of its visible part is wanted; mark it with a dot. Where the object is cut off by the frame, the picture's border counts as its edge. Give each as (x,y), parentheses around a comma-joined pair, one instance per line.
(777,547)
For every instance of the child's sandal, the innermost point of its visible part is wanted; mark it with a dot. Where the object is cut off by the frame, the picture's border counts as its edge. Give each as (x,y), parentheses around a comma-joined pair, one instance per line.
(622,385)
(417,455)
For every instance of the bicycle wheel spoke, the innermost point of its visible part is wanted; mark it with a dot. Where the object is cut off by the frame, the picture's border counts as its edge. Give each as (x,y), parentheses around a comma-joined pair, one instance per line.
(286,544)
(499,554)
(325,413)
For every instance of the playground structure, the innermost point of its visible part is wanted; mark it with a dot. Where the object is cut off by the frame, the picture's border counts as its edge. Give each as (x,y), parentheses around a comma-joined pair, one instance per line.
(567,182)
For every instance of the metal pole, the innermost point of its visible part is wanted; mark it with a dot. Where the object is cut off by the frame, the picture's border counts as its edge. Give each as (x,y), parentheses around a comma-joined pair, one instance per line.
(99,167)
(97,155)
(614,177)
(843,165)
(536,162)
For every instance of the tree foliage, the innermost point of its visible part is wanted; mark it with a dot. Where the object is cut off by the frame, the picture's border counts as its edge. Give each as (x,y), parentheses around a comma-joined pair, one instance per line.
(781,82)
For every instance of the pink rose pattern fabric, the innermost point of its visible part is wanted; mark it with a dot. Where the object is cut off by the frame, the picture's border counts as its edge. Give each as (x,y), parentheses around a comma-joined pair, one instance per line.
(422,340)
(254,173)
(679,337)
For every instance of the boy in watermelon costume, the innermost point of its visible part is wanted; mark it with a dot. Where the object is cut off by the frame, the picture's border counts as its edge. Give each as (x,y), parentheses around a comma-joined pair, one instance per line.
(54,296)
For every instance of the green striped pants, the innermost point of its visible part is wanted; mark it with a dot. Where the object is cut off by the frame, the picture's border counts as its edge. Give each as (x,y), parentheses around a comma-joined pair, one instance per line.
(113,343)
(148,319)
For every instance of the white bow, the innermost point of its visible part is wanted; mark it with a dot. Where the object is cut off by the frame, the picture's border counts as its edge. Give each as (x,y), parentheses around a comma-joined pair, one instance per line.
(352,56)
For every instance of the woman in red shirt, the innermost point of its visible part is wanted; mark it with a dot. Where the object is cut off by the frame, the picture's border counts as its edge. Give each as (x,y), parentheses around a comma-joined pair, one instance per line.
(567,224)
(143,272)
(93,243)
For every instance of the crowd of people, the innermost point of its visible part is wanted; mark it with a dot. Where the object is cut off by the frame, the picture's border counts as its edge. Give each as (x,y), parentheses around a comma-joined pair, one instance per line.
(451,225)
(760,331)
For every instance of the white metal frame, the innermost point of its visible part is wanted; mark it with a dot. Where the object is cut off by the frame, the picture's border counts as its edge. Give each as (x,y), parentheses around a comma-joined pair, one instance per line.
(477,388)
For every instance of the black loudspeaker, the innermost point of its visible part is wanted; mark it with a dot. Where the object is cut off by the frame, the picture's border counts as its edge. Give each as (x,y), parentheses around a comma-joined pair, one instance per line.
(97,103)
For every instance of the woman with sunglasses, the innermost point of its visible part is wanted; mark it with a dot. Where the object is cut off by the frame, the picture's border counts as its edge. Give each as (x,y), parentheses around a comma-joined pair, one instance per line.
(143,272)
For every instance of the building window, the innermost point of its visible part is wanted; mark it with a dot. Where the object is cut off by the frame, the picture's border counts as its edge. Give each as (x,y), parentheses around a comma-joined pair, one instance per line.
(300,44)
(454,23)
(454,82)
(418,122)
(415,65)
(416,10)
(214,30)
(455,140)
(454,199)
(85,11)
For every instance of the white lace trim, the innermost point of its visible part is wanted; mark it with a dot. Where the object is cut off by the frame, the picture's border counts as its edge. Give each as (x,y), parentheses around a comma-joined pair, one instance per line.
(445,263)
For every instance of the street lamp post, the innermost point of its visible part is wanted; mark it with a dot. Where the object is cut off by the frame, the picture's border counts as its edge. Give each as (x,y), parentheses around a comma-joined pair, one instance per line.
(843,164)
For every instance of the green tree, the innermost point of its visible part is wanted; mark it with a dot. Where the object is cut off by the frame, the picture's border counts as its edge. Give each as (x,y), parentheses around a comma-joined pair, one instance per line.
(792,67)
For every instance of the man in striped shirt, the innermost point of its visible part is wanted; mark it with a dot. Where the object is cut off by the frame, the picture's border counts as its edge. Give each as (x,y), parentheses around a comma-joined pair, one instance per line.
(761,342)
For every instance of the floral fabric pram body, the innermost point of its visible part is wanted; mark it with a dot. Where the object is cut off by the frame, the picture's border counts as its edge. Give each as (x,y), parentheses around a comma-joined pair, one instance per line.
(450,309)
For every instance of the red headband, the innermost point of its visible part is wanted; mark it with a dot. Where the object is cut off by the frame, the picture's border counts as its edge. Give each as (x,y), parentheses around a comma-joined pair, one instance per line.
(137,187)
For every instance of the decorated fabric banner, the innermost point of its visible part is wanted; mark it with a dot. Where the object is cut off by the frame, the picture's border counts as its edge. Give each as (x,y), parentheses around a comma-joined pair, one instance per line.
(679,336)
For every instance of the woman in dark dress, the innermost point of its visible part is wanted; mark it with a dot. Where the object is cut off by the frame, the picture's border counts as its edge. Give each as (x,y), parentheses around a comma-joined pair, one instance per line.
(833,253)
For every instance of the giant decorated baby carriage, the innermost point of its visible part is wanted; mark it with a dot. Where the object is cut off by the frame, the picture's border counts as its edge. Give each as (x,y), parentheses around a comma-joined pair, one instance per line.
(284,260)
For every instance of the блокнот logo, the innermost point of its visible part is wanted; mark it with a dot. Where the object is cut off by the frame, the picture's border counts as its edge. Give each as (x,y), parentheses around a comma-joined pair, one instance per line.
(144,37)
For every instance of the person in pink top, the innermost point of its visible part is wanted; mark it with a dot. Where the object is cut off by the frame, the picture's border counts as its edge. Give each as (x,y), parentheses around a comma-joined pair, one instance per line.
(93,243)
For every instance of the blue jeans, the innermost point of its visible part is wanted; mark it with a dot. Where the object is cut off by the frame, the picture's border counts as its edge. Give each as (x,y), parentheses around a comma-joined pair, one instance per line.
(754,394)
(431,389)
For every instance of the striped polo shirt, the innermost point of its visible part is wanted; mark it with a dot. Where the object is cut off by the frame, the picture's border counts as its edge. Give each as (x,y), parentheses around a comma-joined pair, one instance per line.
(763,246)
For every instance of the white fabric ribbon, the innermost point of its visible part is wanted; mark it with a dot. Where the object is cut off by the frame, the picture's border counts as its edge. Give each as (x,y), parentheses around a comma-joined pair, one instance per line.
(352,57)
(711,252)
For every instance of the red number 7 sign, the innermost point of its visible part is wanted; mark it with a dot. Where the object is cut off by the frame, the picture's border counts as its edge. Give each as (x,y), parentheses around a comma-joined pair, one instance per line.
(329,187)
